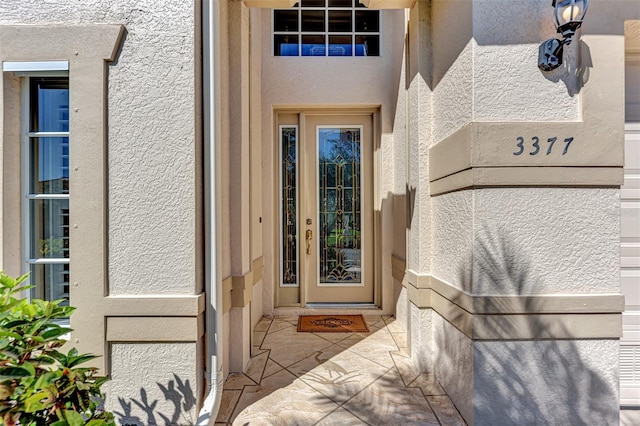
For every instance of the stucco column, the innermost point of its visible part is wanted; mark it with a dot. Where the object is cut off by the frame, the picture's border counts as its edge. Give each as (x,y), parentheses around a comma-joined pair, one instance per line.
(521,271)
(239,185)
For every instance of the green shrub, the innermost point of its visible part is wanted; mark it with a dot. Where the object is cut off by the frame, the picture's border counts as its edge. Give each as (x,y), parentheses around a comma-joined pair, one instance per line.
(40,385)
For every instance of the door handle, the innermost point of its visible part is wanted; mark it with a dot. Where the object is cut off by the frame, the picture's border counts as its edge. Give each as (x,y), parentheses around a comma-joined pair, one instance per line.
(309,237)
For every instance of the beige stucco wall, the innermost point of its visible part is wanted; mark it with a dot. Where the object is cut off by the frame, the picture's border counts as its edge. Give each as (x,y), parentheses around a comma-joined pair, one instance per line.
(152,258)
(508,237)
(152,147)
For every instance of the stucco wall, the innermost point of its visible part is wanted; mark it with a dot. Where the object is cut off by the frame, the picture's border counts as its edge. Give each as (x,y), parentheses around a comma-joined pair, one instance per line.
(452,82)
(152,152)
(528,240)
(151,146)
(556,382)
(453,364)
(152,183)
(453,238)
(515,240)
(159,381)
(420,117)
(505,50)
(546,241)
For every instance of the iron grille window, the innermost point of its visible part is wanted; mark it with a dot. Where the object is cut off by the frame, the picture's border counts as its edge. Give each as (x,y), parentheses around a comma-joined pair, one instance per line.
(326,28)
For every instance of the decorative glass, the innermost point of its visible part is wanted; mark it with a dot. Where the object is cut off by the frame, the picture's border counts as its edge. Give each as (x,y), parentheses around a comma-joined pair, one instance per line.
(340,214)
(289,207)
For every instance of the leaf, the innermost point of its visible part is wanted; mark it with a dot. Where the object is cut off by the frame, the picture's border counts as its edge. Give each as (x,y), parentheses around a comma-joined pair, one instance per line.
(5,333)
(15,323)
(10,373)
(34,402)
(72,352)
(72,362)
(73,418)
(99,422)
(29,367)
(37,326)
(54,333)
(30,310)
(9,353)
(47,379)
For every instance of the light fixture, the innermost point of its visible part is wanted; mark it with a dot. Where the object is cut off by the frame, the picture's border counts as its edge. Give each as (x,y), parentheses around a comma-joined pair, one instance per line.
(569,15)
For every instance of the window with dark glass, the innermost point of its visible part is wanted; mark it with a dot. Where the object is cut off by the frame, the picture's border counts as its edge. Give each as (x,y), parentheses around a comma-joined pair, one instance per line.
(326,28)
(46,154)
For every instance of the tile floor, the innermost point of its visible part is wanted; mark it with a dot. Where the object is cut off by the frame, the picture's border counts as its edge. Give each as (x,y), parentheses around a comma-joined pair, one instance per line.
(333,379)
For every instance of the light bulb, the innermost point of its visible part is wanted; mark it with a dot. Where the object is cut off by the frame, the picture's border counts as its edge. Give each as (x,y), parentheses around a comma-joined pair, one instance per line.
(571,13)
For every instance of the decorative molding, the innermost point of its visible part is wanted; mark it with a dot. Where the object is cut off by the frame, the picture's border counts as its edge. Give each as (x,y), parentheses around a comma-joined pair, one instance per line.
(154,305)
(241,287)
(87,49)
(257,267)
(519,317)
(371,4)
(241,291)
(398,267)
(483,177)
(155,329)
(227,286)
(388,4)
(274,4)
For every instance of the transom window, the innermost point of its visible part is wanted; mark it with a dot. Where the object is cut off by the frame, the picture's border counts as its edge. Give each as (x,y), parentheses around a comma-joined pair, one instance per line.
(326,28)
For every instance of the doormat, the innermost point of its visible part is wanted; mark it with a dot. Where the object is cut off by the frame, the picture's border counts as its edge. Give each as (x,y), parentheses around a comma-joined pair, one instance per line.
(332,324)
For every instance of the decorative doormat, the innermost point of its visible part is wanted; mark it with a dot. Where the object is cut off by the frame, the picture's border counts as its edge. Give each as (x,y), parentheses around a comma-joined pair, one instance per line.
(332,324)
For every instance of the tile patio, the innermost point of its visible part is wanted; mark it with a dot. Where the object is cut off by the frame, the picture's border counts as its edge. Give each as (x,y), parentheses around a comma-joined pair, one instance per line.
(333,379)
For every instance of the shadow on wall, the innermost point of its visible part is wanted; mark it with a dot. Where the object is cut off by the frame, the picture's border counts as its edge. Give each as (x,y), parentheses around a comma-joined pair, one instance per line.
(177,392)
(529,382)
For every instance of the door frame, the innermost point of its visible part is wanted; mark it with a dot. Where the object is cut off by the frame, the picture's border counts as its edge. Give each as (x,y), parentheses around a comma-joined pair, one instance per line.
(294,116)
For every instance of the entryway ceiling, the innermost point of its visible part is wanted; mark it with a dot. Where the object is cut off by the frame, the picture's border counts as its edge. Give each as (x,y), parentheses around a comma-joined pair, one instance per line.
(371,4)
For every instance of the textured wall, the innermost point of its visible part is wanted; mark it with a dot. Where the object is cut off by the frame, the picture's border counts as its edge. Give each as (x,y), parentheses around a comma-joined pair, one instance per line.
(402,306)
(421,337)
(543,382)
(151,149)
(453,238)
(546,240)
(485,65)
(151,184)
(152,152)
(419,131)
(168,396)
(507,84)
(453,363)
(452,82)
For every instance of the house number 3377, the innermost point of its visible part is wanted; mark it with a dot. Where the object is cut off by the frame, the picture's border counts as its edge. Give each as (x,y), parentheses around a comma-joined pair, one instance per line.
(536,148)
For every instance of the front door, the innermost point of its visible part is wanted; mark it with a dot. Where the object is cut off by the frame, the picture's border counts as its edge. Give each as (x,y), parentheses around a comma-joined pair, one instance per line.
(337,211)
(333,218)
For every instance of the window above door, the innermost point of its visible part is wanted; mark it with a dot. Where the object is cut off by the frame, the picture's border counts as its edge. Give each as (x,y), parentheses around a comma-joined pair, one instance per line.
(326,28)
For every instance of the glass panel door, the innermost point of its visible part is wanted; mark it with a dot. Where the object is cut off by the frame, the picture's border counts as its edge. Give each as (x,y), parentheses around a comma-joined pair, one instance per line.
(336,209)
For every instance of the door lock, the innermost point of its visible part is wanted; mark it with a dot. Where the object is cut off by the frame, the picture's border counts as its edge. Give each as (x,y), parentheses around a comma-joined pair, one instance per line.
(309,237)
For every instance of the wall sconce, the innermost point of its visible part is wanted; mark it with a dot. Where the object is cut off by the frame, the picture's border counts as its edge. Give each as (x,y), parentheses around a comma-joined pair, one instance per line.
(569,15)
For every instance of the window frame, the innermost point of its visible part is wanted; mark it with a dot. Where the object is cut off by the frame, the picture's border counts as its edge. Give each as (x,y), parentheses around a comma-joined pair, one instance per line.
(27,196)
(326,33)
